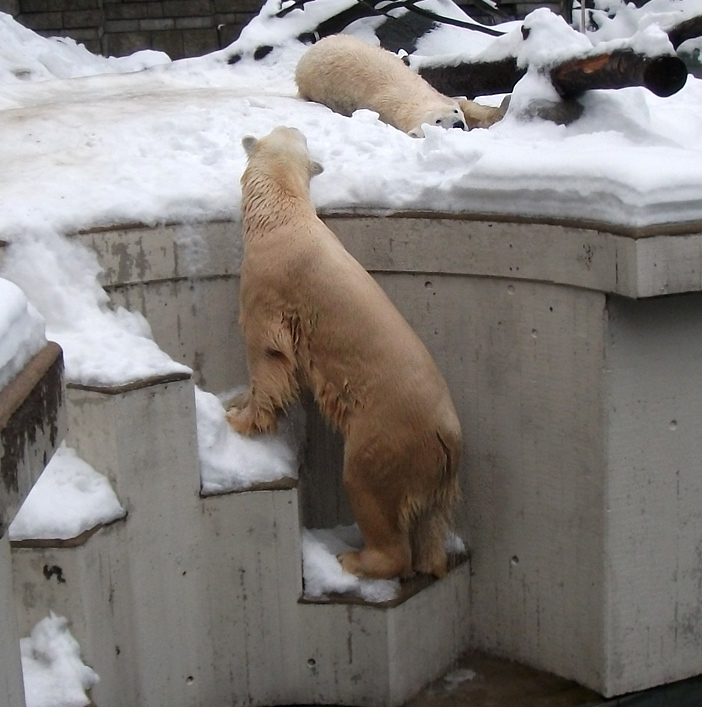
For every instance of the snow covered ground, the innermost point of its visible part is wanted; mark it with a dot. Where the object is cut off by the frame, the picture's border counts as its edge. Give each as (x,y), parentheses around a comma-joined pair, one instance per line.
(91,141)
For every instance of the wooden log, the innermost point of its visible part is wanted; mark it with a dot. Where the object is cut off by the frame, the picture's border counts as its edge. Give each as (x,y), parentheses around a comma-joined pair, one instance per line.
(474,79)
(683,31)
(662,75)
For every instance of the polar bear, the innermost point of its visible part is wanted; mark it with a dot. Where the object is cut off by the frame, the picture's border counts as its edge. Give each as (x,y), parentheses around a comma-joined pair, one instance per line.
(314,319)
(345,74)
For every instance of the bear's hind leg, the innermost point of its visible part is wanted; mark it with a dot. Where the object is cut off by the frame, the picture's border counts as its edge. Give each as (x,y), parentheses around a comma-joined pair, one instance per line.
(386,552)
(428,536)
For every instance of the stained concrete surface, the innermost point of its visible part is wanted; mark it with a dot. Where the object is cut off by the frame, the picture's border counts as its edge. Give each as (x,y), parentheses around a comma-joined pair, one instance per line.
(480,680)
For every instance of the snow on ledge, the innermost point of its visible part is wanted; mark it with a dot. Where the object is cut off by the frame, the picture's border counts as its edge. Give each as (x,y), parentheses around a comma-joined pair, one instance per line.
(232,462)
(322,572)
(323,575)
(69,498)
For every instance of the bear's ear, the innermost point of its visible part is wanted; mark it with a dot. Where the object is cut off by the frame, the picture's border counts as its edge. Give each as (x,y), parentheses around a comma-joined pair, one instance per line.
(315,168)
(249,142)
(416,132)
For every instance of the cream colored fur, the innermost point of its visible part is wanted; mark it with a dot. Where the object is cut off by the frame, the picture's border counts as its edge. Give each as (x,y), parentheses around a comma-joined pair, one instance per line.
(314,319)
(345,74)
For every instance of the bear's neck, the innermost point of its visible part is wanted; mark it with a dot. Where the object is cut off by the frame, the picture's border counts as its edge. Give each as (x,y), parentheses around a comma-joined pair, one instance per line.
(272,200)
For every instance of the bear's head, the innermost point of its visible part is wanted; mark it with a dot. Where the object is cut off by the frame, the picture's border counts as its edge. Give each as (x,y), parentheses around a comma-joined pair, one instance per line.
(283,146)
(450,116)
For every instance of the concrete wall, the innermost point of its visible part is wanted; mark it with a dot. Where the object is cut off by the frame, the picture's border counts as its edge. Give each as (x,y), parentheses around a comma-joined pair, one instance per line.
(558,352)
(573,355)
(191,601)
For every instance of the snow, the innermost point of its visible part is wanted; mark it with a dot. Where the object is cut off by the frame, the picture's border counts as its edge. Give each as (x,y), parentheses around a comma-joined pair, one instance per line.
(54,674)
(21,331)
(69,498)
(323,574)
(232,462)
(101,345)
(322,571)
(93,141)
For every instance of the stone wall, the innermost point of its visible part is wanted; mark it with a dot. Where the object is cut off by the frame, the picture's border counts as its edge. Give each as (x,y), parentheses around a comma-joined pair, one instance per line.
(178,27)
(120,27)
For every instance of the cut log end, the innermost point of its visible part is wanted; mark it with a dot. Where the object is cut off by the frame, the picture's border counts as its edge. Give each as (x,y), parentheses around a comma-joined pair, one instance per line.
(664,75)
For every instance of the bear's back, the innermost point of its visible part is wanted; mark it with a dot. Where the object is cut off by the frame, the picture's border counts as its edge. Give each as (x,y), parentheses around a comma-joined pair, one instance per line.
(345,74)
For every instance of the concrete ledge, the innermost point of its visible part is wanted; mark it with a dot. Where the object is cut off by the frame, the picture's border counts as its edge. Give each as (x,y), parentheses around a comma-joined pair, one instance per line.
(32,425)
(45,543)
(631,262)
(408,589)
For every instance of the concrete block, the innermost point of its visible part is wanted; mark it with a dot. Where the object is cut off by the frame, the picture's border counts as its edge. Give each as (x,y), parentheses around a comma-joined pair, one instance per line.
(118,26)
(30,6)
(74,5)
(360,654)
(253,587)
(157,24)
(653,550)
(186,8)
(143,439)
(197,42)
(82,18)
(188,23)
(89,36)
(132,10)
(87,581)
(125,43)
(169,41)
(11,684)
(11,7)
(41,21)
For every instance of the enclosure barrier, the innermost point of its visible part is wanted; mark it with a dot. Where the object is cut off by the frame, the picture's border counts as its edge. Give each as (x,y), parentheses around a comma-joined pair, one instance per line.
(573,355)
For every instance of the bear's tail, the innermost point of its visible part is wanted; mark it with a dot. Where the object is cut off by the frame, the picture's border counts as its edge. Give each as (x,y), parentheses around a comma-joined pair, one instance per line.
(434,520)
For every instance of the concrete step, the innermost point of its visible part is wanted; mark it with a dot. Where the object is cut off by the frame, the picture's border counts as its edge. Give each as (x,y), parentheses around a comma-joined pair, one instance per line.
(197,599)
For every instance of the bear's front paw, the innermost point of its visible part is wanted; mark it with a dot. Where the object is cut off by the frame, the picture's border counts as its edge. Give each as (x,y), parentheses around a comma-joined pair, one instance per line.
(349,562)
(241,421)
(240,400)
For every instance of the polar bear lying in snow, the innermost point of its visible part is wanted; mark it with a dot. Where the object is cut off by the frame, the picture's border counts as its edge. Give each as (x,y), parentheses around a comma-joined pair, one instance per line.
(313,318)
(345,74)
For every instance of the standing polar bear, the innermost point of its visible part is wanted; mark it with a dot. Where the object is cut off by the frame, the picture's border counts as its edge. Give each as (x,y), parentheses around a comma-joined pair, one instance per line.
(313,318)
(345,74)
